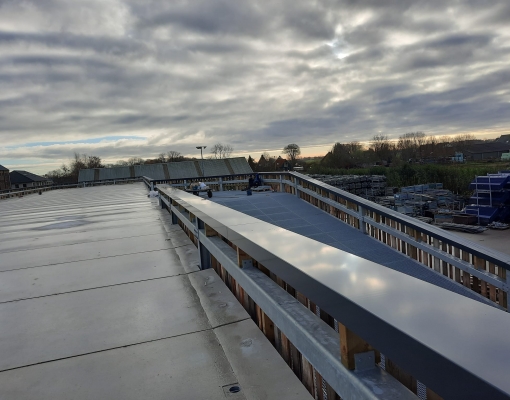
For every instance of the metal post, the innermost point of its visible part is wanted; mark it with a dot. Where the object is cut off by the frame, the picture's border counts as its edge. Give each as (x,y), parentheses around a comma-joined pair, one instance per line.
(361,219)
(281,183)
(221,184)
(477,195)
(202,157)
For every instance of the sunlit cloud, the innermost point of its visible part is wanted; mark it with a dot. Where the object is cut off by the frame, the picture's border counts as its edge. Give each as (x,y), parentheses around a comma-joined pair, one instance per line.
(157,76)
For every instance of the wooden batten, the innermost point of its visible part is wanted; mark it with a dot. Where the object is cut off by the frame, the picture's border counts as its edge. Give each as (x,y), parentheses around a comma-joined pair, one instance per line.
(318,381)
(209,231)
(403,377)
(350,344)
(307,375)
(241,255)
(431,395)
(285,348)
(302,298)
(268,327)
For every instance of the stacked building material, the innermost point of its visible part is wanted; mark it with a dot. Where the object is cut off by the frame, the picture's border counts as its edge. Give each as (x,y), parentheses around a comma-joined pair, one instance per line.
(429,198)
(367,186)
(462,228)
(491,198)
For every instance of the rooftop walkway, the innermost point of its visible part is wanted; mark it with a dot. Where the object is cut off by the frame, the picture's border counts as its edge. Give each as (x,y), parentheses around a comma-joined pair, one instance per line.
(101,298)
(289,212)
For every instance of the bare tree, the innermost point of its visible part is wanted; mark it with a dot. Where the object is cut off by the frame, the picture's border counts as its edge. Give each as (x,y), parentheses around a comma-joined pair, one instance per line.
(94,162)
(135,161)
(220,150)
(161,158)
(345,155)
(292,151)
(173,155)
(382,147)
(122,163)
(409,145)
(462,142)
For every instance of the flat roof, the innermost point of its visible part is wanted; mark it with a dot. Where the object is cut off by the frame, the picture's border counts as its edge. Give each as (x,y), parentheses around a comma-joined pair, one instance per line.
(101,297)
(289,212)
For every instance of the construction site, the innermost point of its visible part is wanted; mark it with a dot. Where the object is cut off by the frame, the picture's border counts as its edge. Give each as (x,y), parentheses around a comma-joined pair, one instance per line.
(488,207)
(251,286)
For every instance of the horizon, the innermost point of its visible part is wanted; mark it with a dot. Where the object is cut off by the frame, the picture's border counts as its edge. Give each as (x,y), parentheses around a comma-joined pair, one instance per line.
(119,78)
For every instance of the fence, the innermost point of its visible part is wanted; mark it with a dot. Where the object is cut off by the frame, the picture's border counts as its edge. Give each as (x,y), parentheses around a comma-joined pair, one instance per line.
(476,267)
(332,315)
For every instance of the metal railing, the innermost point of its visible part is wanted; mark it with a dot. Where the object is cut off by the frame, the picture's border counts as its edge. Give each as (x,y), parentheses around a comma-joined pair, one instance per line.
(333,315)
(476,267)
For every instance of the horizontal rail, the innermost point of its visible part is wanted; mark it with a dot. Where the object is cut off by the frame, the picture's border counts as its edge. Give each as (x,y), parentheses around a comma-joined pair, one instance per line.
(489,255)
(400,316)
(317,341)
(476,267)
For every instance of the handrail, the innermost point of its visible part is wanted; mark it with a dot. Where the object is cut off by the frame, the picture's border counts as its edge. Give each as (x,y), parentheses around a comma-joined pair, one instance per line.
(400,316)
(476,267)
(490,255)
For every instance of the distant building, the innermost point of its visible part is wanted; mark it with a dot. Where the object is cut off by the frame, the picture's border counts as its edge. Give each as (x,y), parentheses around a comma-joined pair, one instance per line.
(487,151)
(27,180)
(458,157)
(503,139)
(281,164)
(5,183)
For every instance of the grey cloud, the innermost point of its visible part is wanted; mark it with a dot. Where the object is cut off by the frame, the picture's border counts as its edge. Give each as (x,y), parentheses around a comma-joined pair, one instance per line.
(248,72)
(218,16)
(460,40)
(100,45)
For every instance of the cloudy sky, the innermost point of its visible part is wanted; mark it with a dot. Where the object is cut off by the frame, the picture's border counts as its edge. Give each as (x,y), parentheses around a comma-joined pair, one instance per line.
(122,78)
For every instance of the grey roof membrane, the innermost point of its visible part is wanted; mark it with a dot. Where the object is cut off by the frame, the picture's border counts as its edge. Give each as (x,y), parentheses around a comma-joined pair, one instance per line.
(101,298)
(289,212)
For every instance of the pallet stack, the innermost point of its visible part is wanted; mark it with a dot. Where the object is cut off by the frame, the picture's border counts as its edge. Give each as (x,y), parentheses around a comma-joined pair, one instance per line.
(367,186)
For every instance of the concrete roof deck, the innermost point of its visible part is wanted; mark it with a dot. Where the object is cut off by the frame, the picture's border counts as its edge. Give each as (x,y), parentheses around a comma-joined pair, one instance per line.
(101,298)
(291,213)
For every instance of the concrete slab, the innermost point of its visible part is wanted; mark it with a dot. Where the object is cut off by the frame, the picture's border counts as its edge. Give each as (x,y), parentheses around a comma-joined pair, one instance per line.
(190,260)
(68,238)
(67,325)
(76,225)
(218,302)
(96,302)
(27,213)
(15,225)
(185,367)
(261,372)
(82,251)
(63,278)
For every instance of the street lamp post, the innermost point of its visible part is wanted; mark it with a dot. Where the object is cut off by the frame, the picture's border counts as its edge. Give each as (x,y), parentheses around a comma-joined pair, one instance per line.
(202,157)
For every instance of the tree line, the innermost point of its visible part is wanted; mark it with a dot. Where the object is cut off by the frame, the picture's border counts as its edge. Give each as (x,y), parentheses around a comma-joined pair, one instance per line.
(410,147)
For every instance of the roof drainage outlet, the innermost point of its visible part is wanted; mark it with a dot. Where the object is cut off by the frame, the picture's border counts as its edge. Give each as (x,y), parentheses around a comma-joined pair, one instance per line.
(233,391)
